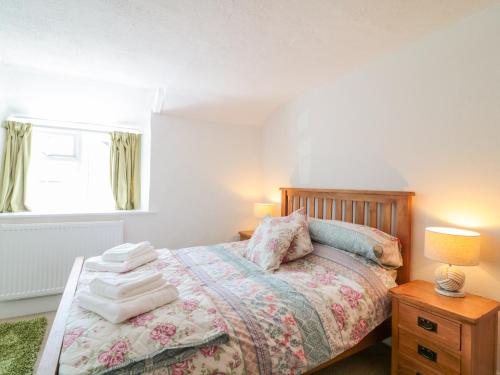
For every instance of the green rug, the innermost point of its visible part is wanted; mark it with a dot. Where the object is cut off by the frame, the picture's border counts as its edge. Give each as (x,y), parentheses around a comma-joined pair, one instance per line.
(19,345)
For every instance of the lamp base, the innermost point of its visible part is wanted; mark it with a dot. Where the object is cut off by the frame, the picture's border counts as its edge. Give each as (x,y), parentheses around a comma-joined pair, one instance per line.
(449,281)
(448,293)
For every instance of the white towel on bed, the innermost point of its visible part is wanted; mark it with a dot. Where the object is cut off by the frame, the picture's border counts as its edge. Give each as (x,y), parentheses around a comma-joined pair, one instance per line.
(126,251)
(125,286)
(117,311)
(98,264)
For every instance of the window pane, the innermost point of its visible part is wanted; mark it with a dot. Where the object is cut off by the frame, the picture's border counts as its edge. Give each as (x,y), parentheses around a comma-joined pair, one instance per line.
(69,172)
(59,144)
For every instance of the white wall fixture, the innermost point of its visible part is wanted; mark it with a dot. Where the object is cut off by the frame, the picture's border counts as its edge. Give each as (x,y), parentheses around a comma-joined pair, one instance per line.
(159,99)
(35,259)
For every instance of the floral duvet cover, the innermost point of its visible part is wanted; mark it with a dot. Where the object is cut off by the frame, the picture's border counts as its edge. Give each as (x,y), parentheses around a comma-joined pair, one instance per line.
(286,322)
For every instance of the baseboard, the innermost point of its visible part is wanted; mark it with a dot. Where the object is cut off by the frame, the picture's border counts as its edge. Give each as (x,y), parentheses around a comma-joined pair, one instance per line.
(29,306)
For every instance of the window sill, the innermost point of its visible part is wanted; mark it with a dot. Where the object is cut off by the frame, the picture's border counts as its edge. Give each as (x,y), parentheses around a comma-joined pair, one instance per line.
(20,215)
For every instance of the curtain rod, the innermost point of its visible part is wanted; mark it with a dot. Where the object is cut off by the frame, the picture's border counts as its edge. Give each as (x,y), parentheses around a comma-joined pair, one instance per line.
(89,126)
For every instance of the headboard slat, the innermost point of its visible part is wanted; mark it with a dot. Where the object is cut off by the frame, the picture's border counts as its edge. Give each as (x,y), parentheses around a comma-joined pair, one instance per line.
(348,211)
(338,209)
(320,208)
(373,214)
(362,206)
(387,218)
(329,208)
(360,212)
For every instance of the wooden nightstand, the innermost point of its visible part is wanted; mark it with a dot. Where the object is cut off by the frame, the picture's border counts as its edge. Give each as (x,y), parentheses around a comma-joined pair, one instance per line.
(433,334)
(245,234)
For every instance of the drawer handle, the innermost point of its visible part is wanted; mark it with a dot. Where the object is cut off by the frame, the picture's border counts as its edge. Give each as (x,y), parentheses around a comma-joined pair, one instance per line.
(427,324)
(427,353)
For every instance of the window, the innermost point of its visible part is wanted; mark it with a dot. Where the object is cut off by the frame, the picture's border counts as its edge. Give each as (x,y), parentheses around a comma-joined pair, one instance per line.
(69,171)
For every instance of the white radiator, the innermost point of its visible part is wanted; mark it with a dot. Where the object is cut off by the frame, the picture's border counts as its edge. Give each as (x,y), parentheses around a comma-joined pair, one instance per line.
(35,259)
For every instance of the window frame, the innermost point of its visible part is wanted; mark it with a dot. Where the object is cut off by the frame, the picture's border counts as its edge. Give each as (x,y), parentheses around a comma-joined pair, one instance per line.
(85,126)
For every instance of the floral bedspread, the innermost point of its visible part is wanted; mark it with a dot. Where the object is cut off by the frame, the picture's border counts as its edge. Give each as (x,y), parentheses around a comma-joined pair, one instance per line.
(286,322)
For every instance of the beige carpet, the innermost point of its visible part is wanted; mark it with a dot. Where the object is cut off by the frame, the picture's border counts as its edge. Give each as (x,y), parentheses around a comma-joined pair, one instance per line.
(372,361)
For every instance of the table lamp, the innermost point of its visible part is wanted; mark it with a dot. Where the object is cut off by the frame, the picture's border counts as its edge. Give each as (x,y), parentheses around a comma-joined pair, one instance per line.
(453,246)
(262,210)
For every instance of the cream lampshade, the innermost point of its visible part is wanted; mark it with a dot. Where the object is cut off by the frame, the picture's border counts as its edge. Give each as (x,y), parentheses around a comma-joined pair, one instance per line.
(261,210)
(457,247)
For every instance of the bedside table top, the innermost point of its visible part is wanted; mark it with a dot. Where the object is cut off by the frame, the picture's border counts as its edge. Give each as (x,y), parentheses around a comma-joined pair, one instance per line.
(421,293)
(246,233)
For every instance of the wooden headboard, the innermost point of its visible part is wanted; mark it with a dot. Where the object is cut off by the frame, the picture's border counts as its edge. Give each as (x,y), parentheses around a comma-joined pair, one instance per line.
(390,211)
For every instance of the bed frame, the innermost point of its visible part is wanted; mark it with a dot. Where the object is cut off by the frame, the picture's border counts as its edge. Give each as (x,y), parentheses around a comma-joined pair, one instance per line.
(389,211)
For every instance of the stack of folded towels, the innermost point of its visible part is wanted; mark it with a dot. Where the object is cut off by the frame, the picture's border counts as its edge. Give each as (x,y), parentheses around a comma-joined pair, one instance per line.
(119,297)
(123,258)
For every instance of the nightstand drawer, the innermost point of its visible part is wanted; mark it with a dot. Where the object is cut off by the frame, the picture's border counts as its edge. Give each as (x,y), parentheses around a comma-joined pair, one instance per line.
(408,366)
(429,354)
(430,326)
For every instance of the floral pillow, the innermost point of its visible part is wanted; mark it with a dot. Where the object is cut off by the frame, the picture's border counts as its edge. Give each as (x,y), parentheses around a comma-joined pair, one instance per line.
(270,242)
(301,244)
(371,243)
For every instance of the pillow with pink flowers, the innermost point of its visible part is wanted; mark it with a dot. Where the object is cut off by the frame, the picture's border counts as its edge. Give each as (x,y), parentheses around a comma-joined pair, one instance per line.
(270,242)
(301,244)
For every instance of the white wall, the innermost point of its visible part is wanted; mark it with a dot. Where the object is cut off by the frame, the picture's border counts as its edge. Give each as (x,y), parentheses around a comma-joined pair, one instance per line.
(61,97)
(425,119)
(3,111)
(204,180)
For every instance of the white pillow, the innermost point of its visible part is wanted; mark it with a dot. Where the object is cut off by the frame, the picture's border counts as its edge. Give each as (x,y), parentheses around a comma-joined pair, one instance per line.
(301,244)
(371,243)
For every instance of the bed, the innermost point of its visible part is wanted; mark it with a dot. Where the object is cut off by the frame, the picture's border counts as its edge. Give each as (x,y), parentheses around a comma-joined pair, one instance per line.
(309,314)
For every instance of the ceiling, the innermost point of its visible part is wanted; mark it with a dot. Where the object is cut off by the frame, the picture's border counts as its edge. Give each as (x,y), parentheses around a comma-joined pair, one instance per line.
(232,61)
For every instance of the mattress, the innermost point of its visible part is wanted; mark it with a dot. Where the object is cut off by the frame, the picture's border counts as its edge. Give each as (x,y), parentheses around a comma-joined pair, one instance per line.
(287,322)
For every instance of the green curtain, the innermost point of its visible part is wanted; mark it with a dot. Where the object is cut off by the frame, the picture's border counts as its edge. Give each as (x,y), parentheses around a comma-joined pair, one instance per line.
(125,170)
(14,172)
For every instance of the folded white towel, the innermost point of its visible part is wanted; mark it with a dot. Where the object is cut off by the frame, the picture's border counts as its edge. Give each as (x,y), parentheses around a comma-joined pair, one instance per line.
(125,251)
(98,264)
(125,286)
(112,258)
(121,310)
